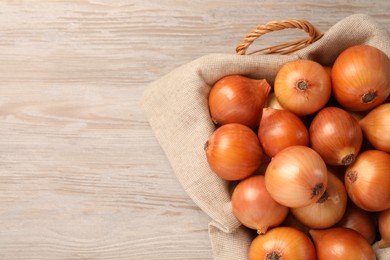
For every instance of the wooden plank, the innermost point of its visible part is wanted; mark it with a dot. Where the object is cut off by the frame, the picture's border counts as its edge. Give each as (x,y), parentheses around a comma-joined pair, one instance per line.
(82,175)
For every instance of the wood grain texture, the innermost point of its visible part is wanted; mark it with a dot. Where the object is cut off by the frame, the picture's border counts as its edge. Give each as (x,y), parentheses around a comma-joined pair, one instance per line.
(82,175)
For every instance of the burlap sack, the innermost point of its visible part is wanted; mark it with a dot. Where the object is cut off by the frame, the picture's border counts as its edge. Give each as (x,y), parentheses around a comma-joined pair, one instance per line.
(177,110)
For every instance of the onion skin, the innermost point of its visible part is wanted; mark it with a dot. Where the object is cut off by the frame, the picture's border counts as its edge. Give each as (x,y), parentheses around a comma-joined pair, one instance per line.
(361,78)
(328,210)
(357,115)
(359,220)
(233,152)
(273,102)
(384,230)
(302,87)
(341,243)
(238,99)
(376,127)
(254,207)
(280,129)
(336,135)
(367,180)
(285,243)
(296,176)
(328,70)
(291,221)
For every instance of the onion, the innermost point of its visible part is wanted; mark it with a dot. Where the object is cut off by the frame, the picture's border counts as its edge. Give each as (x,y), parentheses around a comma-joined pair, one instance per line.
(357,115)
(273,102)
(282,243)
(263,166)
(328,210)
(292,221)
(359,220)
(296,176)
(302,86)
(367,180)
(376,127)
(341,243)
(254,207)
(361,77)
(336,136)
(384,230)
(238,99)
(328,70)
(233,152)
(280,129)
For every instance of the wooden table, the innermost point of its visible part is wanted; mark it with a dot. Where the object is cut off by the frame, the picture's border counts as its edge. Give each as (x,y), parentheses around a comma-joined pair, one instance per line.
(82,175)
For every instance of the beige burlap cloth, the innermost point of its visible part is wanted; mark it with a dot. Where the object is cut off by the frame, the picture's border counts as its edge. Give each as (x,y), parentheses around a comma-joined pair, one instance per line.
(176,108)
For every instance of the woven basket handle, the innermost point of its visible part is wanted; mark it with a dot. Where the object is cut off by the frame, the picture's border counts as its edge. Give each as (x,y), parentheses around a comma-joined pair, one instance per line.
(284,48)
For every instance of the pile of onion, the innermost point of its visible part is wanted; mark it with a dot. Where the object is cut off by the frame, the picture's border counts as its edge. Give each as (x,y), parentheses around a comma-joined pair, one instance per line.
(310,155)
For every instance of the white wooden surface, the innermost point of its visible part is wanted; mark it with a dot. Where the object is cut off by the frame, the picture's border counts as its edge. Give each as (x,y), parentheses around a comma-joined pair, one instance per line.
(81,173)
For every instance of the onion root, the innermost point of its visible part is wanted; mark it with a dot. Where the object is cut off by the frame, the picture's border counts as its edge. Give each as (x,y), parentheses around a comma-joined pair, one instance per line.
(317,189)
(274,255)
(348,159)
(369,97)
(352,176)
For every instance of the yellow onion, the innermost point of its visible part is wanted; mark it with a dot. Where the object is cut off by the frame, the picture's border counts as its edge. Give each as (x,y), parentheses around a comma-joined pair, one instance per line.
(376,127)
(328,70)
(238,99)
(336,136)
(292,221)
(280,129)
(233,152)
(359,220)
(273,102)
(328,209)
(384,230)
(361,77)
(302,86)
(254,207)
(282,243)
(367,180)
(296,176)
(341,243)
(357,115)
